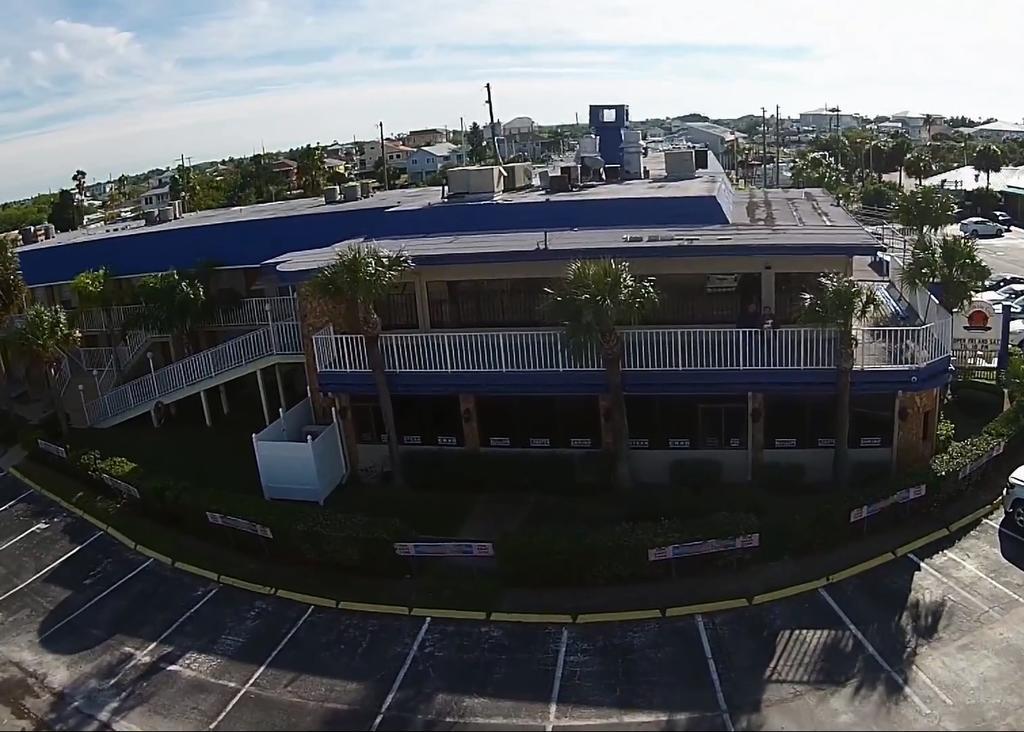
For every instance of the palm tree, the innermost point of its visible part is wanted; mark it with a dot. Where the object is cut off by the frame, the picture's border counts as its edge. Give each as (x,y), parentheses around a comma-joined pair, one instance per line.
(312,169)
(79,180)
(953,263)
(925,210)
(360,277)
(173,304)
(46,335)
(918,164)
(95,289)
(596,297)
(988,159)
(12,293)
(929,120)
(900,149)
(841,302)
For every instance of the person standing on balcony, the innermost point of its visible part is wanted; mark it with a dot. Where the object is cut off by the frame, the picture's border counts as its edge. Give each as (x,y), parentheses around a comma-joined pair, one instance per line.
(768,318)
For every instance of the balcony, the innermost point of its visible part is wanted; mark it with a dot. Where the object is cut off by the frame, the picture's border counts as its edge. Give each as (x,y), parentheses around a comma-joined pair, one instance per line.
(250,312)
(645,349)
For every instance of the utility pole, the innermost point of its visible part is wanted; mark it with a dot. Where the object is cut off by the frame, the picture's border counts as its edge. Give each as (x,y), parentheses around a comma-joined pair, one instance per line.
(184,187)
(764,147)
(462,140)
(778,146)
(490,112)
(383,155)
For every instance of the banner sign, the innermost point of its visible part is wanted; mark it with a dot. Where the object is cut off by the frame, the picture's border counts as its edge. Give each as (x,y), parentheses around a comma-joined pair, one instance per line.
(52,449)
(696,548)
(785,442)
(240,524)
(980,462)
(903,496)
(121,487)
(500,442)
(870,441)
(445,549)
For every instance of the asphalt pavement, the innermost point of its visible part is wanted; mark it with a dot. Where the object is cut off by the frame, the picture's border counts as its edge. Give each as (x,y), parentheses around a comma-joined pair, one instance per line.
(93,635)
(1004,253)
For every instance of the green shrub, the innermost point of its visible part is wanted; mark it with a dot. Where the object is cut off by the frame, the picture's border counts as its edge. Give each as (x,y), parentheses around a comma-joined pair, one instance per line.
(487,472)
(945,431)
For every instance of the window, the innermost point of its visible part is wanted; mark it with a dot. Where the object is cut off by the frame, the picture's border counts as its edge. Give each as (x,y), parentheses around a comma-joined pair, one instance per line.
(488,303)
(428,420)
(539,421)
(680,422)
(799,422)
(608,114)
(369,422)
(871,420)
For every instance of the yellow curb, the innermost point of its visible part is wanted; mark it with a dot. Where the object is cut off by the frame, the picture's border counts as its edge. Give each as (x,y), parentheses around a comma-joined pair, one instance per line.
(242,584)
(705,607)
(197,570)
(308,599)
(789,591)
(862,567)
(551,618)
(424,612)
(155,555)
(94,521)
(611,617)
(918,543)
(121,537)
(370,607)
(970,518)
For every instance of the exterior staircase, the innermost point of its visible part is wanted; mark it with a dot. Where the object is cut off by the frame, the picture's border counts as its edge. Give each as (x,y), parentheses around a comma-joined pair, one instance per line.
(273,343)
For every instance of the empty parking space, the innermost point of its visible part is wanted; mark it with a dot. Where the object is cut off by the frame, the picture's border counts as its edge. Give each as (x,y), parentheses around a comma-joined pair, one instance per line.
(199,668)
(474,675)
(334,673)
(795,663)
(637,675)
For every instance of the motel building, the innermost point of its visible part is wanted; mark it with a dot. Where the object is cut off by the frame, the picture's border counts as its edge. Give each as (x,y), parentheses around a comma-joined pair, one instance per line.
(475,362)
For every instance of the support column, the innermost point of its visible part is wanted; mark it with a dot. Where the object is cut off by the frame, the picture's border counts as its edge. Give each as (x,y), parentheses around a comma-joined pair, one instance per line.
(914,422)
(263,395)
(768,289)
(422,303)
(755,435)
(280,386)
(207,415)
(470,426)
(343,405)
(224,399)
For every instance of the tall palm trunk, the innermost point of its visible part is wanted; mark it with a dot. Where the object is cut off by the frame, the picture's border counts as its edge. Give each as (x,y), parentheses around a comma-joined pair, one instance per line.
(55,401)
(369,323)
(611,355)
(841,459)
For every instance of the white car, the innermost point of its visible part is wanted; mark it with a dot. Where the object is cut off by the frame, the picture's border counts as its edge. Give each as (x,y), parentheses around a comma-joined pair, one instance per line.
(977,226)
(1013,497)
(1010,292)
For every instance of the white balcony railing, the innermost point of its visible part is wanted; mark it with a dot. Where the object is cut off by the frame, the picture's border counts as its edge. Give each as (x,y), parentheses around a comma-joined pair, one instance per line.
(251,311)
(281,338)
(653,349)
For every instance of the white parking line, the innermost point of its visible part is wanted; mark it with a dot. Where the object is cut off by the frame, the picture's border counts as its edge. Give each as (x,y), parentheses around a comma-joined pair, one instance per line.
(36,576)
(947,581)
(96,599)
(556,684)
(710,658)
(984,576)
(22,535)
(11,503)
(401,675)
(260,670)
(874,654)
(1003,529)
(149,649)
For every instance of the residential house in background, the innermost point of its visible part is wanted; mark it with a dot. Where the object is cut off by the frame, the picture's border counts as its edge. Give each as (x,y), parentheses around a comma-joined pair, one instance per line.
(334,165)
(155,198)
(916,127)
(100,190)
(422,138)
(286,168)
(518,126)
(716,138)
(821,120)
(429,160)
(369,154)
(160,178)
(534,146)
(997,131)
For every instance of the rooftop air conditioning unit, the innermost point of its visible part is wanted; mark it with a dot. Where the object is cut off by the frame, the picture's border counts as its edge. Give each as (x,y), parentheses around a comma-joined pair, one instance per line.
(518,176)
(350,192)
(475,181)
(332,194)
(572,174)
(680,164)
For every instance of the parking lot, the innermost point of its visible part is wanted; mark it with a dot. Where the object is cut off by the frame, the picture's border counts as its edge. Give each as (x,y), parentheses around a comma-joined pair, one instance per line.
(1005,253)
(93,635)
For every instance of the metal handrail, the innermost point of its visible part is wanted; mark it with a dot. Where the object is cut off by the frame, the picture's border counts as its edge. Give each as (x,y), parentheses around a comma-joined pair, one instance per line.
(255,311)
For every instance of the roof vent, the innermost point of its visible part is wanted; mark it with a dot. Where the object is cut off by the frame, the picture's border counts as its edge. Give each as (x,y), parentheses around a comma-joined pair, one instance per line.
(632,238)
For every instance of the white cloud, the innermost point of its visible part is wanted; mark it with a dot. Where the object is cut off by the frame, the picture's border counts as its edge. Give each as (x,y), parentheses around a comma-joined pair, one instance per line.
(126,98)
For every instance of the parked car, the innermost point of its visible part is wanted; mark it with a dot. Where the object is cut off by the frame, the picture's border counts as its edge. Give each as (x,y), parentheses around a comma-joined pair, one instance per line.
(1002,279)
(1002,218)
(959,214)
(976,226)
(1013,497)
(1008,292)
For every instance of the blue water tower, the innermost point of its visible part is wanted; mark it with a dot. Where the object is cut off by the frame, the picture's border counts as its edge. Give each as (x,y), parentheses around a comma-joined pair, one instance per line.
(607,122)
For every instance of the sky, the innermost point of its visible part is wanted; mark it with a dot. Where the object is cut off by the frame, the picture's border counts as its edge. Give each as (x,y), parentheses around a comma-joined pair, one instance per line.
(128,85)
